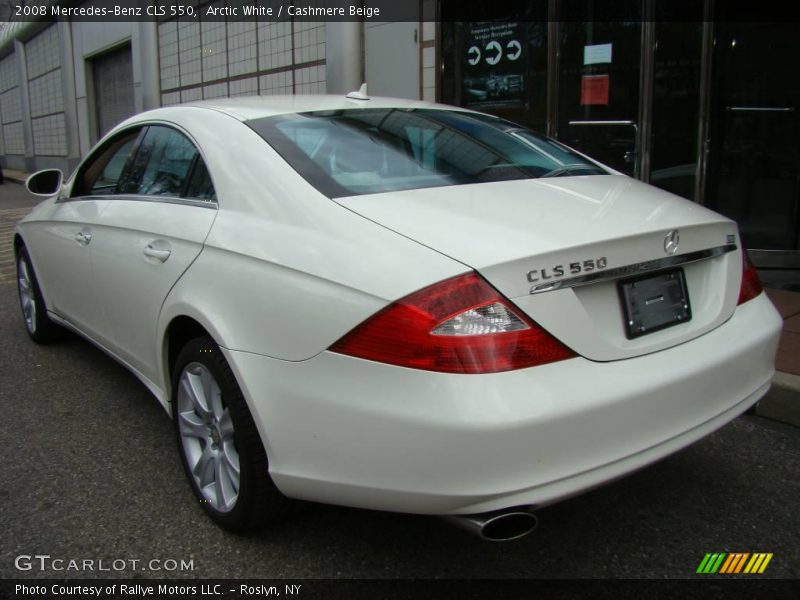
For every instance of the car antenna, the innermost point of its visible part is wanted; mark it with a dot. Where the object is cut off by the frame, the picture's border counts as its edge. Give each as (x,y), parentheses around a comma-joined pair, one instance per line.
(361,94)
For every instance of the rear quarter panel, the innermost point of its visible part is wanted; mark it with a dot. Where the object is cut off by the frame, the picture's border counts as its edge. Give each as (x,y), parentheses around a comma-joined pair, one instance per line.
(285,271)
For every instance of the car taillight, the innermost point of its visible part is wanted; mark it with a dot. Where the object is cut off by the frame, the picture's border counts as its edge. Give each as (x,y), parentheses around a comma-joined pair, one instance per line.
(460,325)
(751,284)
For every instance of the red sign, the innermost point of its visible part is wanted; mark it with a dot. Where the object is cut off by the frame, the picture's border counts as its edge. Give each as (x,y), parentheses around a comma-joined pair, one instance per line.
(594,89)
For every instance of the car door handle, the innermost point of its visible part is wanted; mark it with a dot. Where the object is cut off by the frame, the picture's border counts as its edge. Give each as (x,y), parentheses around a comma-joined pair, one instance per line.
(83,237)
(152,252)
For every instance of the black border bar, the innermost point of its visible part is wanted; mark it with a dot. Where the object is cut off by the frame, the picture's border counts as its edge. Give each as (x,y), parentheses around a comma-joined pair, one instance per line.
(389,10)
(710,587)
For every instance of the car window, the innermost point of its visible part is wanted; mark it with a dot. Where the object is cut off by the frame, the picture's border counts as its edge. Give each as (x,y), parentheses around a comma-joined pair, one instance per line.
(100,175)
(200,186)
(161,164)
(368,151)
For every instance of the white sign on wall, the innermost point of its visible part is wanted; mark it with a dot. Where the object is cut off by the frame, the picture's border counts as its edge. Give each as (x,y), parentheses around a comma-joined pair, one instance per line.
(597,54)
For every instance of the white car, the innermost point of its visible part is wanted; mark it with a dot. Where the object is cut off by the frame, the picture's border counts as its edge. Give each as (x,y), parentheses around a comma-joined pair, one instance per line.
(395,305)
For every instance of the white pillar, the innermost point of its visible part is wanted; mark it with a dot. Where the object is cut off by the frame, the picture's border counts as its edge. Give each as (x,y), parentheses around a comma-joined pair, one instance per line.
(27,126)
(344,56)
(68,95)
(149,73)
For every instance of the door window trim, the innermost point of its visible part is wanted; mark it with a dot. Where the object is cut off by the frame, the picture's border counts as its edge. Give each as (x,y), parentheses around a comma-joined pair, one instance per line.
(144,126)
(96,153)
(144,198)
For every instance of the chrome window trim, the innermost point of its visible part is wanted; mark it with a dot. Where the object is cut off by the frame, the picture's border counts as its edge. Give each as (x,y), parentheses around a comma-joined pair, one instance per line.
(144,123)
(633,269)
(141,198)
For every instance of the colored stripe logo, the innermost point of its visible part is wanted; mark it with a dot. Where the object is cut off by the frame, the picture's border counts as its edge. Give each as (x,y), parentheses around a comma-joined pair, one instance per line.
(733,563)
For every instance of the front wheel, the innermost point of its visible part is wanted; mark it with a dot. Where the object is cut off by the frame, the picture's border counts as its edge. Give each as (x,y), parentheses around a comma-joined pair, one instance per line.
(220,447)
(34,312)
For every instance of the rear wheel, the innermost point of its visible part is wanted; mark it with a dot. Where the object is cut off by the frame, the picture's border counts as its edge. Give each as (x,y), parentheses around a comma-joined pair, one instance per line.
(34,312)
(220,447)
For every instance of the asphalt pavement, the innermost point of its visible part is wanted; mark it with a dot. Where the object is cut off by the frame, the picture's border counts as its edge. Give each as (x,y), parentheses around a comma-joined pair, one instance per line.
(90,471)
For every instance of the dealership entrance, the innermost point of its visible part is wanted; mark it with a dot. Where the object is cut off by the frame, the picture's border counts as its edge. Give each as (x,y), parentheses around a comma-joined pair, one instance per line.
(754,158)
(695,103)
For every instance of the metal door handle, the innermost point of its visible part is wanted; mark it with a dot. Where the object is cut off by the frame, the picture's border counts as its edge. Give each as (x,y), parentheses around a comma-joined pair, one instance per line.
(161,255)
(602,123)
(83,237)
(760,108)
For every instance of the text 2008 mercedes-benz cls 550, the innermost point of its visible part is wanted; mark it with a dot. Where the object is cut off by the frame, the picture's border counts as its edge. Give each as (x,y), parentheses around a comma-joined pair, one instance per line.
(395,305)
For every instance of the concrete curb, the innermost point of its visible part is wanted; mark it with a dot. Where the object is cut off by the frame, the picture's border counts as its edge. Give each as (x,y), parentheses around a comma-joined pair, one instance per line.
(782,402)
(15,176)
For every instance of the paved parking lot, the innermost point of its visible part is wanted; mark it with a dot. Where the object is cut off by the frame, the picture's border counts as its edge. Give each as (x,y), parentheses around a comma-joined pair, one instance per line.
(7,219)
(90,471)
(15,202)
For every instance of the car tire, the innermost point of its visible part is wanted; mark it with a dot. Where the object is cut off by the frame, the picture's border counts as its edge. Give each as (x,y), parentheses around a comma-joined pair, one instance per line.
(216,434)
(34,311)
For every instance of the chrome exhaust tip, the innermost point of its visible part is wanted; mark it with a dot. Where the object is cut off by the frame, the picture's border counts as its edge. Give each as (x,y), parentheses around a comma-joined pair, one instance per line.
(499,526)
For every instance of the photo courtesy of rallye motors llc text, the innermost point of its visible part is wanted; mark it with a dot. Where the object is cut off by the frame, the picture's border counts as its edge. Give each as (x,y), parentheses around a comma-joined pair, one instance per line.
(137,590)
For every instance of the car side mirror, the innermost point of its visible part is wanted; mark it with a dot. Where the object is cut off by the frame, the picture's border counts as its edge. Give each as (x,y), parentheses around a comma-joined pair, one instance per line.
(45,183)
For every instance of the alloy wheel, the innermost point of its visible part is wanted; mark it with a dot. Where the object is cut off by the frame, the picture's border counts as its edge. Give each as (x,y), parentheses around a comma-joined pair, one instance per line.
(26,295)
(207,437)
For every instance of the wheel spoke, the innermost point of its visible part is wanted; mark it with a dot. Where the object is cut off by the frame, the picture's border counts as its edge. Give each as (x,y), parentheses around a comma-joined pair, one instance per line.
(225,491)
(231,460)
(192,425)
(32,315)
(26,295)
(204,469)
(214,395)
(226,425)
(192,386)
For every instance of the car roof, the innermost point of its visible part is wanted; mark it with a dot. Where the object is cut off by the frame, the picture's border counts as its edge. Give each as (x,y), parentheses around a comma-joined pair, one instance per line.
(246,108)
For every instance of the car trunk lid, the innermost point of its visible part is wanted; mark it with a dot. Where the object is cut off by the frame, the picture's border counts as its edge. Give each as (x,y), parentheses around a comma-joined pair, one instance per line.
(571,241)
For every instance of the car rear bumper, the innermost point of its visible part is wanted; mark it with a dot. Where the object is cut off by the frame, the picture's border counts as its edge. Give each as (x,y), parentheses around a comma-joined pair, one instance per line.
(348,431)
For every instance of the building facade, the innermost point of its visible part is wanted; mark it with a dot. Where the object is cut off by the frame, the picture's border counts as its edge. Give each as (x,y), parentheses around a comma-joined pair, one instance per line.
(690,100)
(64,85)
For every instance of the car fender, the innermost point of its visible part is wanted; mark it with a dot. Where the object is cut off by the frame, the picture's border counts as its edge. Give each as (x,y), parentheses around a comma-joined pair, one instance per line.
(292,305)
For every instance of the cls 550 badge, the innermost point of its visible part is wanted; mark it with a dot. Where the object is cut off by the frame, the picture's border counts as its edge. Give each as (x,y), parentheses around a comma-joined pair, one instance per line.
(573,268)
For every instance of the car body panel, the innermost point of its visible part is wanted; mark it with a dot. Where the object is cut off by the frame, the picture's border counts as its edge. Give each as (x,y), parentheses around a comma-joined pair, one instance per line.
(589,319)
(414,441)
(504,223)
(504,230)
(279,272)
(120,241)
(63,263)
(287,238)
(308,286)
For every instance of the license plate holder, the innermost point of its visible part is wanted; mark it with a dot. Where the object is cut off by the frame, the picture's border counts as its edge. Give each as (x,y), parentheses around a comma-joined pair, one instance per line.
(654,302)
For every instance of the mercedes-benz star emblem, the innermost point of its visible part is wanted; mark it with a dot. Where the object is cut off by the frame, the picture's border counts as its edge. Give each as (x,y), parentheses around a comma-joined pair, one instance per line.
(671,242)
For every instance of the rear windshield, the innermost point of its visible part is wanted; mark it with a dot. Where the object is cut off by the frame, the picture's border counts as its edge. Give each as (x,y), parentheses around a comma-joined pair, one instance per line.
(368,151)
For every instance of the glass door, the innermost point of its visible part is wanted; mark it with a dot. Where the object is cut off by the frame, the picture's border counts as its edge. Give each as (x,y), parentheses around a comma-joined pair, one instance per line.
(754,165)
(598,81)
(677,98)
